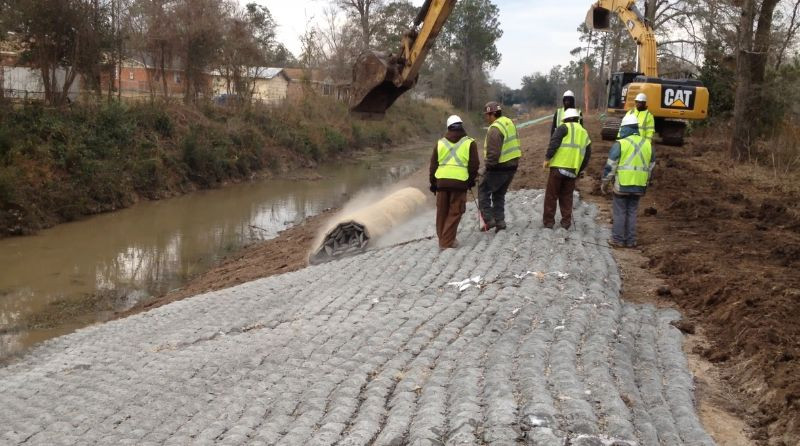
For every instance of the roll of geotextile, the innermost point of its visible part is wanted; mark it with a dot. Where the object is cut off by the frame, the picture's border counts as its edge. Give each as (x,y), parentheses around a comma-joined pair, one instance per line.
(351,233)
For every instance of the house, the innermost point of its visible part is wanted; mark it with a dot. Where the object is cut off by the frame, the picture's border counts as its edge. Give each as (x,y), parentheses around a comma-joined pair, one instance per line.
(25,83)
(303,81)
(141,78)
(269,85)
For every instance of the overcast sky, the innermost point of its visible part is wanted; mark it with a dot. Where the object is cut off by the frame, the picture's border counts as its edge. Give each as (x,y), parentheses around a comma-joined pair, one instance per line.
(537,34)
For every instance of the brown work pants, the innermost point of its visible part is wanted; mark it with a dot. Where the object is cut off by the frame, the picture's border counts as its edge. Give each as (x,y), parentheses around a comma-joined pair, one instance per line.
(558,193)
(450,206)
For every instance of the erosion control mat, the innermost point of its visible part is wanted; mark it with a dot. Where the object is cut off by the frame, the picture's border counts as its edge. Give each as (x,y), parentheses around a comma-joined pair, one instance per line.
(518,337)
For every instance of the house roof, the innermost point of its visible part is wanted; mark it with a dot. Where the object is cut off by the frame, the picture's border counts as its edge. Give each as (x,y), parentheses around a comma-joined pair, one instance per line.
(256,72)
(304,74)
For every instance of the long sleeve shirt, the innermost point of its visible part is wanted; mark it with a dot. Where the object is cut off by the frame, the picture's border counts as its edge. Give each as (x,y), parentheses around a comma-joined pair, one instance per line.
(494,147)
(554,124)
(472,166)
(555,142)
(614,155)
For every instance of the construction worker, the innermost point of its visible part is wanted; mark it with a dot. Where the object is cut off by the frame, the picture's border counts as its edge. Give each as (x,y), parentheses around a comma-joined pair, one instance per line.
(647,124)
(558,117)
(453,170)
(501,153)
(567,156)
(629,165)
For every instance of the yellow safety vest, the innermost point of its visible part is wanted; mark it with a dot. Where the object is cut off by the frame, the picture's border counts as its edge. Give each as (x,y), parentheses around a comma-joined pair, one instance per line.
(453,159)
(560,116)
(573,148)
(634,161)
(647,124)
(511,146)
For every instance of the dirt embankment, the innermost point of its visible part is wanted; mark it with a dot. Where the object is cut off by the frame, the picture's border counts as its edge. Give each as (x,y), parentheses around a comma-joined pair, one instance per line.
(718,240)
(725,240)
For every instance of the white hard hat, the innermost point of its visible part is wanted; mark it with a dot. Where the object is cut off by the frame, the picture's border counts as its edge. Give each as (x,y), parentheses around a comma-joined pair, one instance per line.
(629,120)
(569,94)
(641,97)
(571,113)
(453,119)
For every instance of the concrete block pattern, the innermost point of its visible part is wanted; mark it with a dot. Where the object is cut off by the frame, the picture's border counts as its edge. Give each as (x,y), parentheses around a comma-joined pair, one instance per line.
(380,349)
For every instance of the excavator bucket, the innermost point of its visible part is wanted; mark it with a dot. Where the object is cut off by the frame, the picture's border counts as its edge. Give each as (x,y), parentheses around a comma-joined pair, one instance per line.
(598,18)
(374,84)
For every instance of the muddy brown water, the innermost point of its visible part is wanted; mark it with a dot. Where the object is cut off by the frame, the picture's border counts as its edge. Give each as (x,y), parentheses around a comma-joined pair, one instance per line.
(79,273)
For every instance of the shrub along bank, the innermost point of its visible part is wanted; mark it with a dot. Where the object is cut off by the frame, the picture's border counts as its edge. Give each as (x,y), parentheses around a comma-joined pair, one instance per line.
(57,165)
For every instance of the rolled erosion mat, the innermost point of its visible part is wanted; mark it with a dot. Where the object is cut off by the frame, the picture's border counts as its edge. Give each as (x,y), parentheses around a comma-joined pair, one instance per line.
(351,233)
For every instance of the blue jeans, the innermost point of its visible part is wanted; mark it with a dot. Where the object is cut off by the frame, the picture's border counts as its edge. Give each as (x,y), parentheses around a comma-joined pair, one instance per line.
(624,210)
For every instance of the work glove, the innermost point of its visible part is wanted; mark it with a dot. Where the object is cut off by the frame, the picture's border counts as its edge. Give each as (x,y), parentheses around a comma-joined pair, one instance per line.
(482,170)
(604,187)
(433,188)
(545,164)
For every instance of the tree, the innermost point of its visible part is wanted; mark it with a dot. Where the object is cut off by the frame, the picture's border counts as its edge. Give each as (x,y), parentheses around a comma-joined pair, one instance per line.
(362,10)
(471,33)
(751,64)
(198,25)
(539,90)
(61,37)
(392,21)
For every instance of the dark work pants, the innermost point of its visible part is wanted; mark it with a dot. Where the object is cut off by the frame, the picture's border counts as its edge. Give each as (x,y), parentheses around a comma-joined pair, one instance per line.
(558,194)
(492,194)
(450,206)
(624,210)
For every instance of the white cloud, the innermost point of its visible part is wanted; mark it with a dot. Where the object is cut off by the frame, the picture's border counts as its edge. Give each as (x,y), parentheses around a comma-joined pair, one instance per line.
(537,34)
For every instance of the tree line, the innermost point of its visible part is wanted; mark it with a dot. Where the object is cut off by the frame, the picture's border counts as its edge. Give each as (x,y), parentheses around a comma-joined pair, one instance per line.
(64,39)
(745,52)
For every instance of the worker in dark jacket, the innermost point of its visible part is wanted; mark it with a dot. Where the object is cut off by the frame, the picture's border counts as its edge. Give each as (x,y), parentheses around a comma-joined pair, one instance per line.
(501,154)
(630,163)
(454,168)
(568,100)
(567,156)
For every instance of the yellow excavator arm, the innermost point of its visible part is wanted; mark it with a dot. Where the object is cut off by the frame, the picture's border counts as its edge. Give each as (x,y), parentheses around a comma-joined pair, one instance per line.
(599,18)
(380,78)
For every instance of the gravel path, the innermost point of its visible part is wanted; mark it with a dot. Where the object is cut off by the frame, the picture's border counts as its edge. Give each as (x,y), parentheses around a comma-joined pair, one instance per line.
(380,349)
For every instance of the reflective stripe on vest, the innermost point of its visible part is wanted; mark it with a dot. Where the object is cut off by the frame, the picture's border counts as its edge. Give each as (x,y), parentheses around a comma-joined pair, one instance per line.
(453,159)
(646,123)
(572,150)
(511,145)
(560,115)
(634,167)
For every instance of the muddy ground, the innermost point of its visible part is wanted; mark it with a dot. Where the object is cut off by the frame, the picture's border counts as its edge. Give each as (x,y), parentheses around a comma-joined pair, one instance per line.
(720,241)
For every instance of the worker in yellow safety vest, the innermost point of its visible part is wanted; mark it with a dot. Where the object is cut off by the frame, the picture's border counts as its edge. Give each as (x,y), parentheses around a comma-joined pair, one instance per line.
(630,164)
(453,170)
(567,156)
(647,123)
(568,100)
(501,153)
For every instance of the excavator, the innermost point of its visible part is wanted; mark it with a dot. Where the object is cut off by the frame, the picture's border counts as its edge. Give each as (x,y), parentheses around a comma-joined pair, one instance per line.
(380,78)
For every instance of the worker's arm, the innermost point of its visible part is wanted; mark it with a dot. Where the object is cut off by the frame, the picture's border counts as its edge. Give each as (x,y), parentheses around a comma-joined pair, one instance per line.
(555,141)
(553,125)
(581,119)
(586,158)
(651,126)
(473,165)
(610,168)
(434,166)
(494,145)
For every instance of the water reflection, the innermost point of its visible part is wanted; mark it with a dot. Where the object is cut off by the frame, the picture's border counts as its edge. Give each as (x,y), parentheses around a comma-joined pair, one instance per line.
(154,247)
